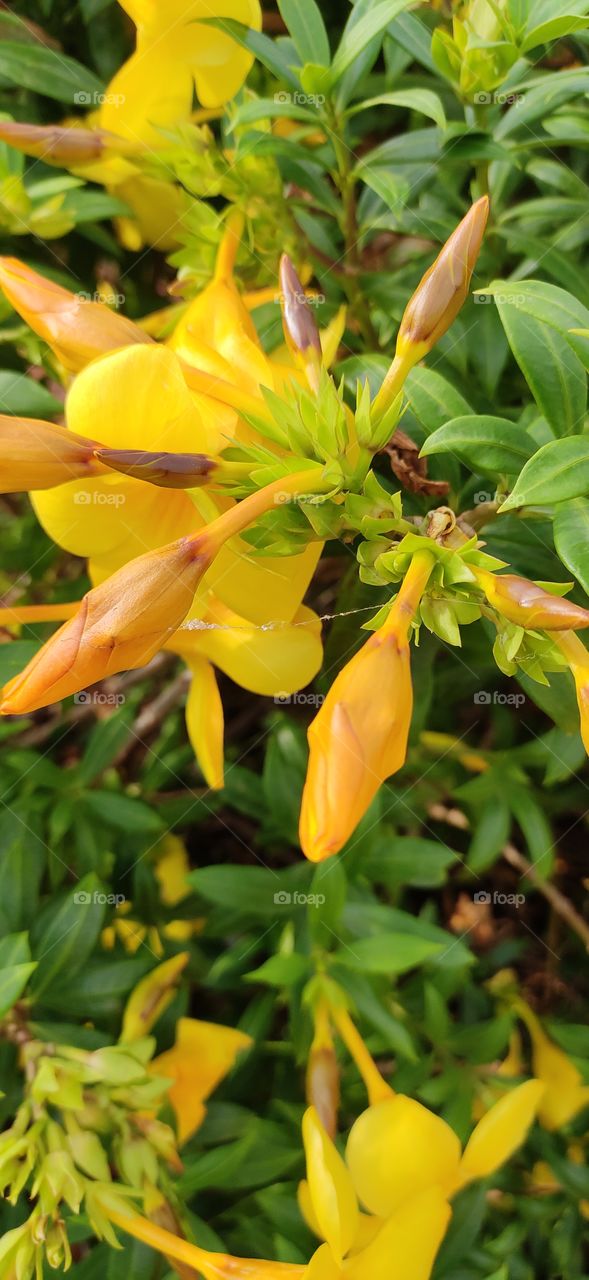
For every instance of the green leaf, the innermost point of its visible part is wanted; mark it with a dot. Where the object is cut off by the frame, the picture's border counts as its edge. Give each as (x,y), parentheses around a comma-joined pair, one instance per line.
(307,28)
(48,72)
(104,742)
(409,860)
(571,538)
(70,933)
(490,835)
(123,813)
(270,108)
(558,471)
(386,953)
(552,371)
(422,100)
(281,971)
(357,34)
(433,399)
(554,29)
(16,968)
(24,396)
(487,444)
(269,52)
(15,656)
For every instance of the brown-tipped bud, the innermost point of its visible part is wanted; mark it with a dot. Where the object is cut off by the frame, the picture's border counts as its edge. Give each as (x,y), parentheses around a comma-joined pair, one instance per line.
(76,329)
(527,605)
(60,145)
(168,470)
(323,1086)
(300,330)
(119,625)
(39,455)
(444,287)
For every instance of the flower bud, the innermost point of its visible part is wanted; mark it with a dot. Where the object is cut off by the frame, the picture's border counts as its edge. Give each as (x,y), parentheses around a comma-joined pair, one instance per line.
(76,329)
(39,455)
(300,330)
(119,625)
(359,736)
(65,146)
(527,605)
(167,470)
(444,288)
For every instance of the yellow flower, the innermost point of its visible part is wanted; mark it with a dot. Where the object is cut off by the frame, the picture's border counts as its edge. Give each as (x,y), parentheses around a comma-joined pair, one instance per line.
(203,1054)
(577,657)
(359,736)
(403,1164)
(564,1090)
(151,997)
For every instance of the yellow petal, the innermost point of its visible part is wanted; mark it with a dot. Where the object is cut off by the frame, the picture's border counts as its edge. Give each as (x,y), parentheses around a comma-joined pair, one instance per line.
(501,1131)
(398,1149)
(330,1188)
(151,996)
(406,1247)
(205,722)
(323,1266)
(262,588)
(203,1054)
(274,662)
(171,870)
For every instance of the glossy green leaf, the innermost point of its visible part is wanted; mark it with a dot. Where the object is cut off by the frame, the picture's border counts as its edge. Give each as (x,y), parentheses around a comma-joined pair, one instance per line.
(422,100)
(558,471)
(387,953)
(357,34)
(37,67)
(571,538)
(307,28)
(552,371)
(486,444)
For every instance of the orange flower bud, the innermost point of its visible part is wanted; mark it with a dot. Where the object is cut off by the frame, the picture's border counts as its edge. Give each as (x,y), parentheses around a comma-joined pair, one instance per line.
(76,329)
(444,288)
(39,455)
(119,625)
(359,736)
(64,146)
(527,605)
(577,657)
(167,470)
(436,302)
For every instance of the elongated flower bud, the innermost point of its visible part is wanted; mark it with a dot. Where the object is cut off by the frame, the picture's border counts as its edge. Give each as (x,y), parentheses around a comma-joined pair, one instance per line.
(62,145)
(167,470)
(359,736)
(76,329)
(527,605)
(577,657)
(436,302)
(119,625)
(300,330)
(39,455)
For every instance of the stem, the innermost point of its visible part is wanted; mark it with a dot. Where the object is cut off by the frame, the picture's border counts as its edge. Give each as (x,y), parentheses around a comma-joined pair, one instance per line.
(218,389)
(349,227)
(410,593)
(377,1089)
(213,1266)
(257,504)
(392,385)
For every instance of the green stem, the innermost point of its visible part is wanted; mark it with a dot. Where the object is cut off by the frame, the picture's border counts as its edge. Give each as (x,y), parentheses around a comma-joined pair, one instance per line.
(349,227)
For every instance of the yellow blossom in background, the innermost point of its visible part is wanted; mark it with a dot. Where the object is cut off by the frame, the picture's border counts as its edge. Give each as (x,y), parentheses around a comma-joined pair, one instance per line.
(203,1054)
(565,1093)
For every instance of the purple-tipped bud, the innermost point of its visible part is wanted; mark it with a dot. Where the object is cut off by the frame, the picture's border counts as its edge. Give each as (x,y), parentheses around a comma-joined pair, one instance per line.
(168,470)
